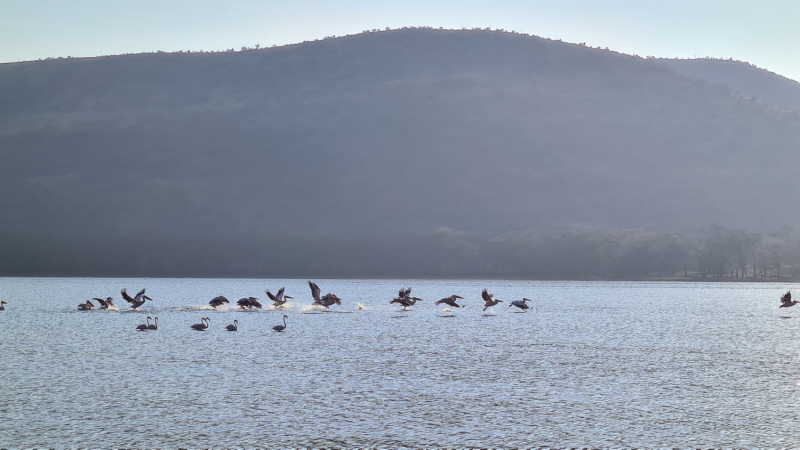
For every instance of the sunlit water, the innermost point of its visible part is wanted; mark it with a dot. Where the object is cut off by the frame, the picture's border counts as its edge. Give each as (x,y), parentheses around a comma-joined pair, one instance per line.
(601,364)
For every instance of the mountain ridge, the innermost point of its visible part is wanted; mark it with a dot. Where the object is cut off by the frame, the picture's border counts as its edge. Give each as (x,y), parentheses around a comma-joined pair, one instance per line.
(382,134)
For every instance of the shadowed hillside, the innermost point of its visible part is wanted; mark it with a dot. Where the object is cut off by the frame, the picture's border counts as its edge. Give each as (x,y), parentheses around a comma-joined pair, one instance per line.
(743,78)
(360,139)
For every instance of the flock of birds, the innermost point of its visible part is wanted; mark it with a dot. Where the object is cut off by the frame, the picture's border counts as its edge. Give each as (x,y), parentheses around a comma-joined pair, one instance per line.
(279,299)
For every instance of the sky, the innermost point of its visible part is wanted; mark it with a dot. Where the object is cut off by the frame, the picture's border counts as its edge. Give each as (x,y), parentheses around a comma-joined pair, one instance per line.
(763,32)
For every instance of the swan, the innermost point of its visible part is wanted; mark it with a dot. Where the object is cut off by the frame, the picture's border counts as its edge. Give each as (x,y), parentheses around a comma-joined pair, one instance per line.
(281,327)
(234,327)
(3,308)
(155,325)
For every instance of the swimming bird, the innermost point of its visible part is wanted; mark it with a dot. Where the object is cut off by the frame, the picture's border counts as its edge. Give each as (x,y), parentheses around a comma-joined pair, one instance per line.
(281,327)
(86,306)
(234,327)
(144,326)
(405,299)
(218,301)
(105,304)
(326,300)
(786,300)
(202,325)
(278,299)
(136,301)
(450,301)
(520,304)
(155,325)
(488,299)
(248,302)
(3,308)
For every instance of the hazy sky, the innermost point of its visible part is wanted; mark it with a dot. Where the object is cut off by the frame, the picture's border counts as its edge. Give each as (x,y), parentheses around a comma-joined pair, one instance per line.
(763,32)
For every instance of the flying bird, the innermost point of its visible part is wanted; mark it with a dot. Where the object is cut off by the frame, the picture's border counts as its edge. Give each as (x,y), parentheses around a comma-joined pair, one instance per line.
(278,299)
(105,304)
(450,301)
(488,299)
(326,300)
(218,301)
(520,304)
(405,299)
(786,300)
(136,301)
(249,303)
(86,306)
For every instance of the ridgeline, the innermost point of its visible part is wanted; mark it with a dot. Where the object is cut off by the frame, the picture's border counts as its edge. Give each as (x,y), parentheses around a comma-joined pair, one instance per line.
(413,152)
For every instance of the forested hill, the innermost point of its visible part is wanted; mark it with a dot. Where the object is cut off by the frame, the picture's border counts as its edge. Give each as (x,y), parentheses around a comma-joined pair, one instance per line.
(369,137)
(741,77)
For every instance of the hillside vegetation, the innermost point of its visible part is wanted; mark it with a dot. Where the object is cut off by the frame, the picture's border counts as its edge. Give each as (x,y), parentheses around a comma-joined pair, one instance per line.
(362,147)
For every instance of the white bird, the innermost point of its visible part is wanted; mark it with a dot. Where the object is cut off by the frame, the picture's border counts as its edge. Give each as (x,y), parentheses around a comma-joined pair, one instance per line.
(278,299)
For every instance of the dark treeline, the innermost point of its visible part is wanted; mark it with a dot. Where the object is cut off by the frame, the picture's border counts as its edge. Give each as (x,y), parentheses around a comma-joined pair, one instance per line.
(572,252)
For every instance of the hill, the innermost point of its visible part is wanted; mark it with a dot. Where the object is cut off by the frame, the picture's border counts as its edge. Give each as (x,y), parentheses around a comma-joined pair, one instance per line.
(741,77)
(233,161)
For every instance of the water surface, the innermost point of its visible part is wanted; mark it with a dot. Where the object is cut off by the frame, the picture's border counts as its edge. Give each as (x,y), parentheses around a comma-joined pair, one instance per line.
(592,363)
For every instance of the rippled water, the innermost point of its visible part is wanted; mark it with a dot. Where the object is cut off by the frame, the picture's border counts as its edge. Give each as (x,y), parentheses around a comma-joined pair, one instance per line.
(601,364)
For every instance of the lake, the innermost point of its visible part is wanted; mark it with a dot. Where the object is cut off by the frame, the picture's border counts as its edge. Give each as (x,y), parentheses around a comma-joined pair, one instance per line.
(603,364)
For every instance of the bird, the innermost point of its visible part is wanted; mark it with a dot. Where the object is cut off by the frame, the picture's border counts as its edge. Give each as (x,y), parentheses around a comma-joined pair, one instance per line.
(405,299)
(202,325)
(520,304)
(3,308)
(278,299)
(489,299)
(218,301)
(155,325)
(281,327)
(248,302)
(326,300)
(786,300)
(450,301)
(234,327)
(136,301)
(105,304)
(86,306)
(144,326)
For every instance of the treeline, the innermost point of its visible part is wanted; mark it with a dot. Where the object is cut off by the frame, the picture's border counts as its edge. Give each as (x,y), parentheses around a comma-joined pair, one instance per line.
(570,253)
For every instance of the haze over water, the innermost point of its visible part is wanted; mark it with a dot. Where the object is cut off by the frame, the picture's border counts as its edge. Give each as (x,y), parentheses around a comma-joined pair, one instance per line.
(592,363)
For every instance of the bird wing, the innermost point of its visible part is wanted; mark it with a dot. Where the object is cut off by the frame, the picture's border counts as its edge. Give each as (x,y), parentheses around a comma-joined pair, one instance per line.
(126,296)
(787,297)
(486,296)
(280,293)
(314,290)
(272,296)
(101,301)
